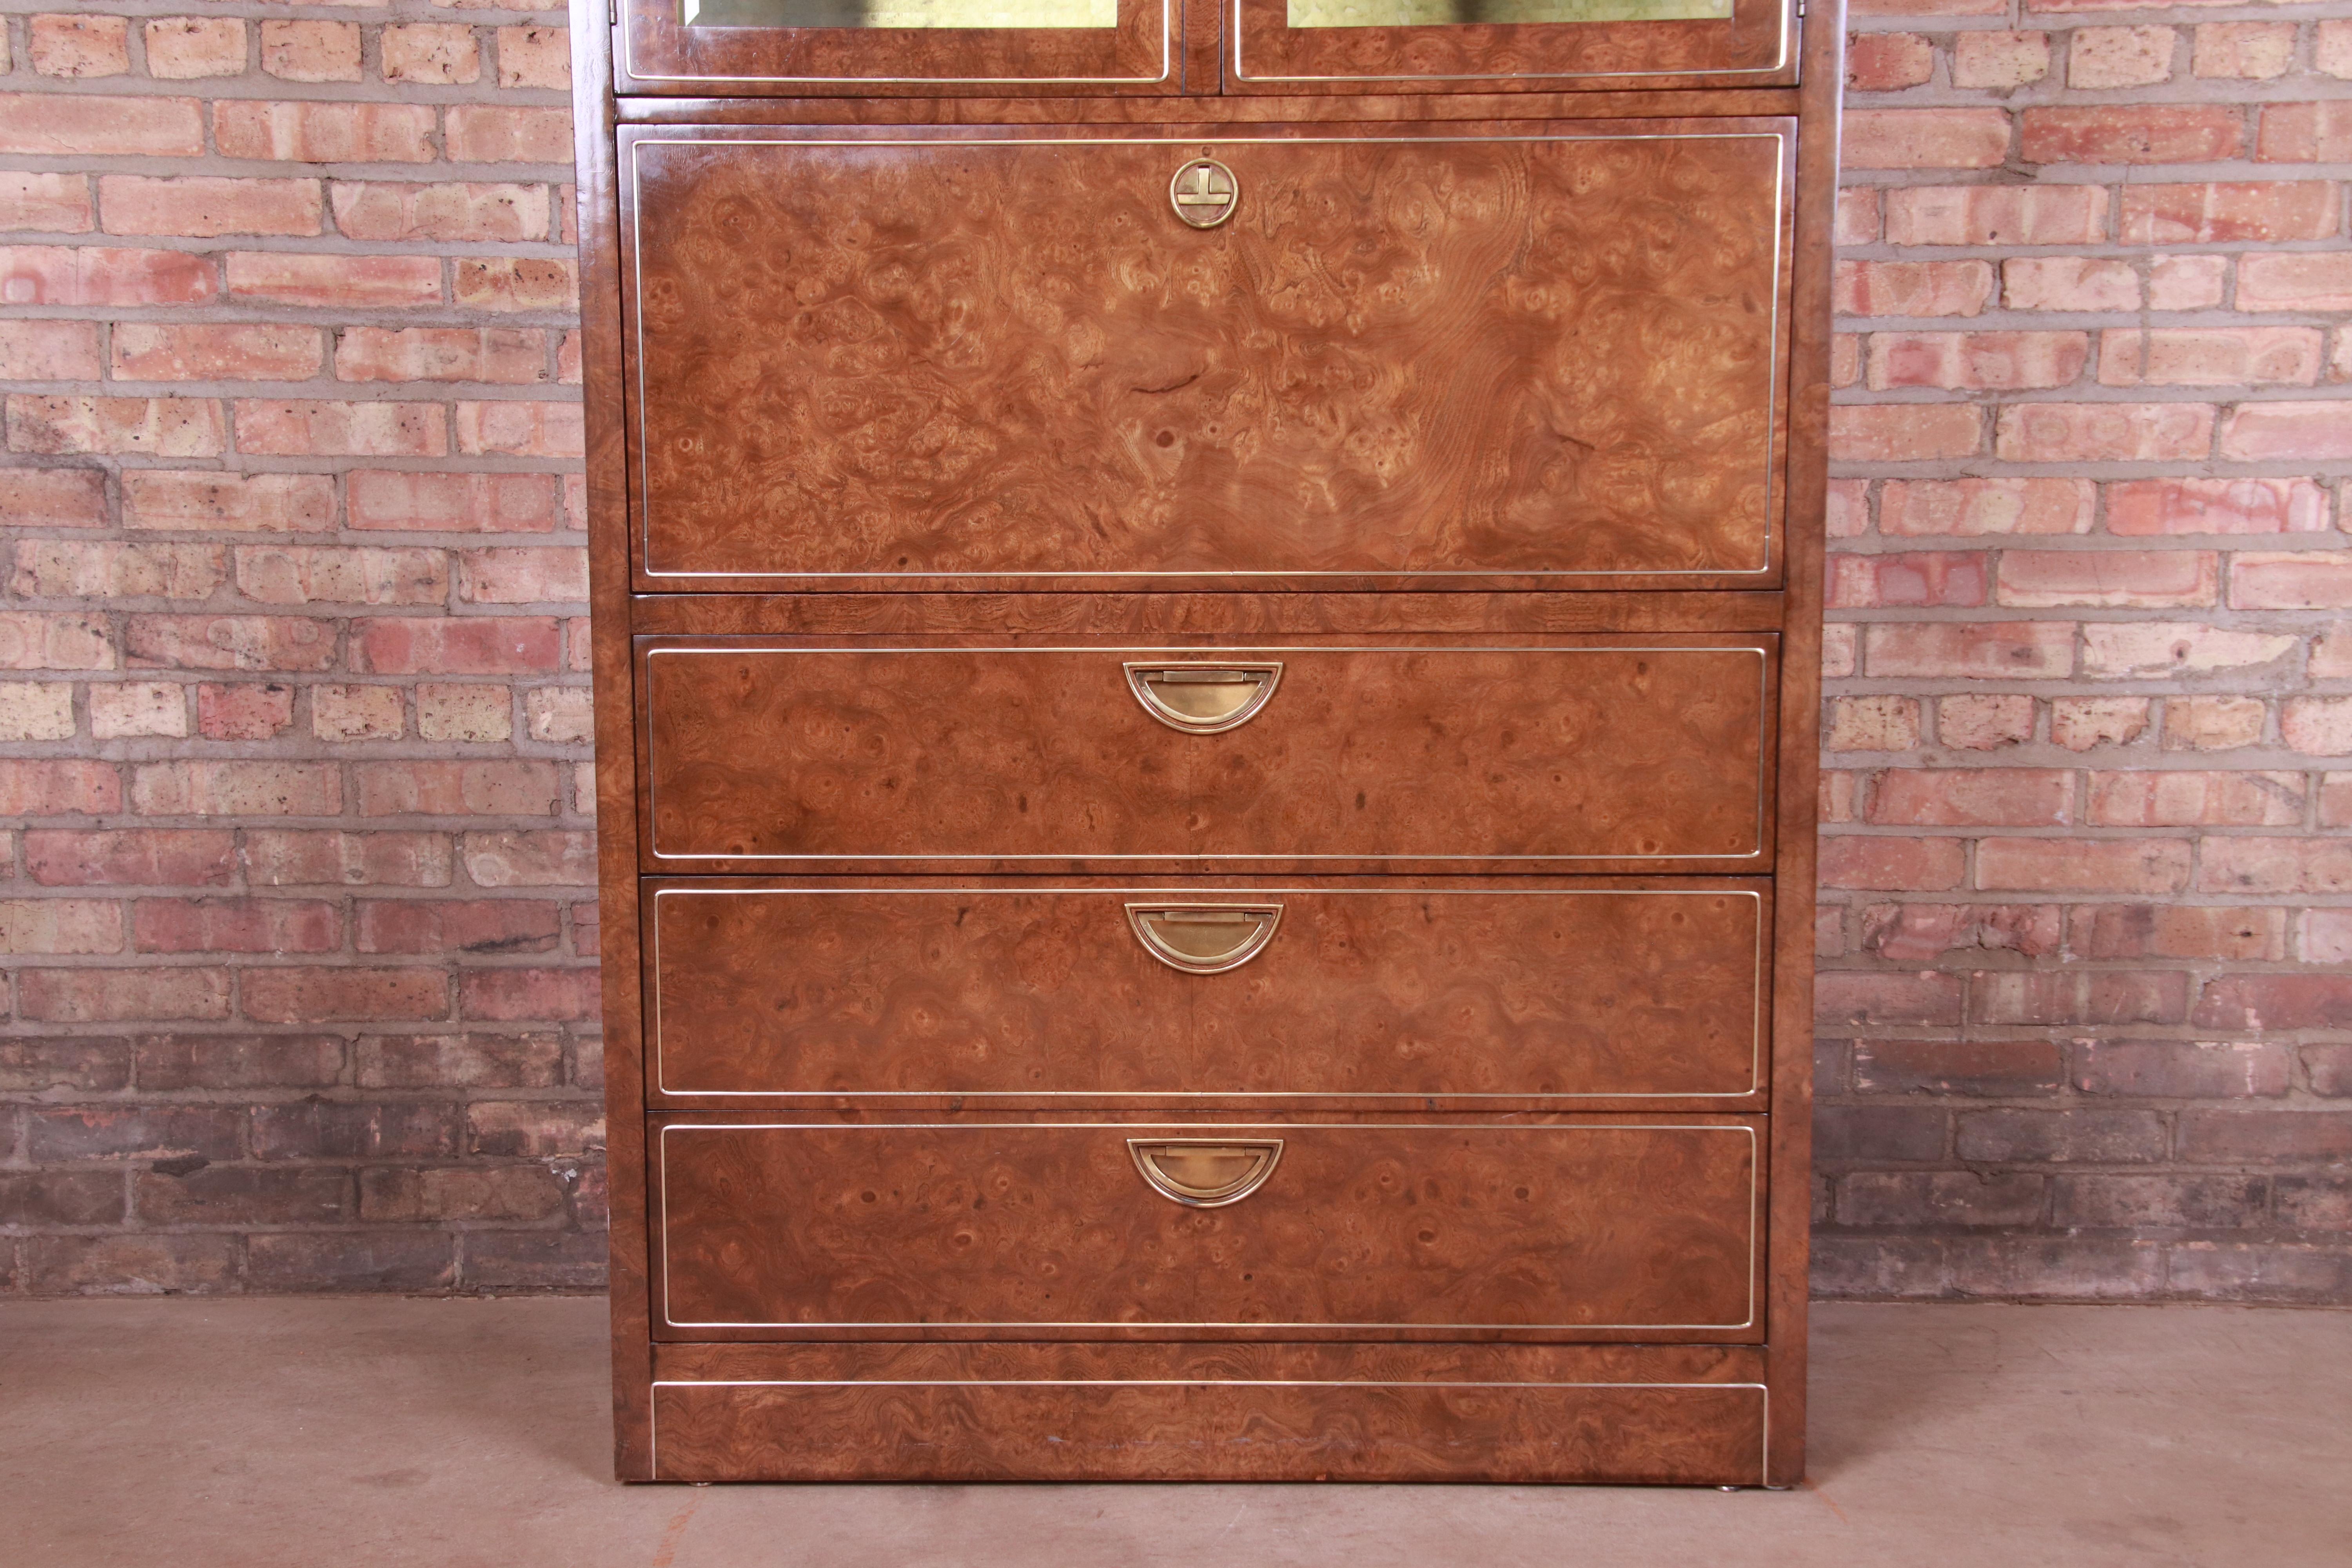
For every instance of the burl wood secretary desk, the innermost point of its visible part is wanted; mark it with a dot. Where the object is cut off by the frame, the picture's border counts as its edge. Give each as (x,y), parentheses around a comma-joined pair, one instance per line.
(1207,636)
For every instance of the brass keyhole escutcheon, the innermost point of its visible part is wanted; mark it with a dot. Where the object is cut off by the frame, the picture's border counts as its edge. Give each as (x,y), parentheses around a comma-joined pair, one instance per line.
(1205,193)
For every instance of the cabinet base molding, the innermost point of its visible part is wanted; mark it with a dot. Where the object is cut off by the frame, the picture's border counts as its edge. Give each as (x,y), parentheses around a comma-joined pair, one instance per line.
(1668,1416)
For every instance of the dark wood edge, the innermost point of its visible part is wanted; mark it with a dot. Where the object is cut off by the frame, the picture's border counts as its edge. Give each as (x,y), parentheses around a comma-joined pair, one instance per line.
(1257,108)
(1801,688)
(616,835)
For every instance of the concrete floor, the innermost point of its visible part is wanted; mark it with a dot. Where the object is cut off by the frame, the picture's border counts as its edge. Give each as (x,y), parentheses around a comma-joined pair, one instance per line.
(351,1433)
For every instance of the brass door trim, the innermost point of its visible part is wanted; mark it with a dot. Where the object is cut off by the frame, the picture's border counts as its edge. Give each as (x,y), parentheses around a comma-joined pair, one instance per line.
(1781,62)
(1258,922)
(1756,1173)
(1776,432)
(1187,1170)
(626,26)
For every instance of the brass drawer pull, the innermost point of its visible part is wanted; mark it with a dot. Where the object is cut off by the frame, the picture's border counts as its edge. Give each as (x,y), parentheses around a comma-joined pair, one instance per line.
(1205,1172)
(1203,939)
(1203,698)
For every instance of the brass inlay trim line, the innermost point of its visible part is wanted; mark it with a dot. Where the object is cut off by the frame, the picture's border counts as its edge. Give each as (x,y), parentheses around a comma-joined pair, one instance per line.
(627,29)
(1779,61)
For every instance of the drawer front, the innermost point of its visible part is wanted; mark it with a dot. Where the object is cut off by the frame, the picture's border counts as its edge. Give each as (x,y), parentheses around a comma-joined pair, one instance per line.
(1207,993)
(1545,353)
(1007,1411)
(991,1227)
(1595,749)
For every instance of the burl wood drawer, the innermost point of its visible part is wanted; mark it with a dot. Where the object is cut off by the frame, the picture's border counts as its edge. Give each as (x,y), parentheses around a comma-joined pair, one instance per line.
(1625,1413)
(996,1226)
(1536,352)
(1591,753)
(1207,992)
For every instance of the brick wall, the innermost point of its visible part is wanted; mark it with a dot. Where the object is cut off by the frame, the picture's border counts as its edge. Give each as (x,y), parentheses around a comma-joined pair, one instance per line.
(2086,1012)
(297,918)
(297,928)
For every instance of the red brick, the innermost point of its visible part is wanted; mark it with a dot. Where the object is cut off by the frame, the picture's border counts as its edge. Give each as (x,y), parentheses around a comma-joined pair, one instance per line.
(223,787)
(2316,580)
(2179,799)
(1874,725)
(134,1132)
(277,858)
(2043,579)
(2084,865)
(247,710)
(1984,722)
(2017,650)
(2317,726)
(470,503)
(384,210)
(487,133)
(54,926)
(135,427)
(50,350)
(323,995)
(104,996)
(530,858)
(2069,283)
(436,646)
(2211,356)
(2305,133)
(1905,432)
(2056,998)
(444,1192)
(303,427)
(2147,507)
(2098,58)
(1901,864)
(442,53)
(1999,60)
(527,995)
(2244,51)
(2134,134)
(46,1198)
(2295,281)
(40,787)
(97,275)
(1984,506)
(37,640)
(1977,361)
(442,353)
(335,282)
(348,1260)
(1857,220)
(1912,287)
(115,125)
(141,857)
(265,503)
(2223,213)
(533,1128)
(2276,866)
(322,1128)
(516,283)
(311,51)
(1997,1067)
(2146,650)
(1884,62)
(109,1264)
(324,133)
(230,642)
(1970,797)
(2266,1137)
(206,207)
(305,574)
(1921,934)
(534,57)
(53,203)
(83,1063)
(460,1061)
(2294,432)
(184,48)
(2325,937)
(1879,1132)
(2102,1137)
(242,1195)
(1925,138)
(347,713)
(490,787)
(517,428)
(2104,431)
(77,47)
(236,925)
(2186,282)
(2086,723)
(2182,1070)
(108,569)
(460,925)
(53,498)
(193,351)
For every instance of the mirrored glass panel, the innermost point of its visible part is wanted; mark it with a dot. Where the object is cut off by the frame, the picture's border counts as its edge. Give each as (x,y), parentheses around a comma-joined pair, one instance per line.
(1444,13)
(992,14)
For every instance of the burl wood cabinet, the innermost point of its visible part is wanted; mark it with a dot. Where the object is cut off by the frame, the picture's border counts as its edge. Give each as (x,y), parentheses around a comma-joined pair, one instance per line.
(1207,642)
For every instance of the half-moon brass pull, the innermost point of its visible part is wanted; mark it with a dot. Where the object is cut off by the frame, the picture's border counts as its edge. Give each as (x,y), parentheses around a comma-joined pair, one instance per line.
(1205,1172)
(1203,939)
(1203,698)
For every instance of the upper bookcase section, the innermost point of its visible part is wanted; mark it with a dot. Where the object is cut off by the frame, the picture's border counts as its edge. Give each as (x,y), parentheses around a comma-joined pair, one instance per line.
(1195,47)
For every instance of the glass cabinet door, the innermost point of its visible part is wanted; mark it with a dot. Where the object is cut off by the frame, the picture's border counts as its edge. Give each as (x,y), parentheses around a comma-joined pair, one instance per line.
(820,47)
(1290,45)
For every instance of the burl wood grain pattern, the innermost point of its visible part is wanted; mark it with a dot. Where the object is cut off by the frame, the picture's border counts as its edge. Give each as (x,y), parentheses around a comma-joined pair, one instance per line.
(661,56)
(1599,1228)
(1268,55)
(1566,752)
(1017,992)
(1689,1415)
(1548,354)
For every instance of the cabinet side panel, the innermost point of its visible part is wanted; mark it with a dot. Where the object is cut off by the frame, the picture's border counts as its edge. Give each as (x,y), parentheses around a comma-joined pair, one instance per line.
(1801,686)
(616,805)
